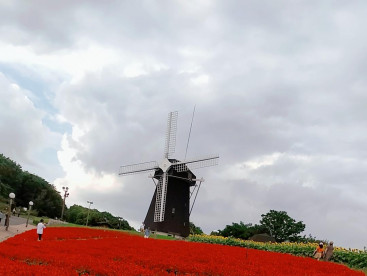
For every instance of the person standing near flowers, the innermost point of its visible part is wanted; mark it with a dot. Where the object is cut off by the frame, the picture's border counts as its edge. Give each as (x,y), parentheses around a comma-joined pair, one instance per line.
(329,251)
(319,251)
(40,226)
(6,216)
(147,233)
(142,227)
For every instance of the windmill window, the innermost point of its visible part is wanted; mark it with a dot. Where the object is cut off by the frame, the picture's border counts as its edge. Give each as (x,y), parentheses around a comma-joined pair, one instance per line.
(173,210)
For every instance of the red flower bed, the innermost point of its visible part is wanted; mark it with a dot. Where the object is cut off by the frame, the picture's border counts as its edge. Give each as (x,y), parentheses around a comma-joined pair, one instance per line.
(82,251)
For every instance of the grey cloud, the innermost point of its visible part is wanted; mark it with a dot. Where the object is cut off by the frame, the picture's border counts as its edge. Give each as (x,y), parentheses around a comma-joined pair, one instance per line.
(283,78)
(239,128)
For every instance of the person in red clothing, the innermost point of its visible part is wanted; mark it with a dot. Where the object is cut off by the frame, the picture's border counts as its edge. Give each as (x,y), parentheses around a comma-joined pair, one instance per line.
(319,251)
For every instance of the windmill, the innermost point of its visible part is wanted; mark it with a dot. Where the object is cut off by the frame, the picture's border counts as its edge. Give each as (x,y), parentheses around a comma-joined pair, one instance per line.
(169,210)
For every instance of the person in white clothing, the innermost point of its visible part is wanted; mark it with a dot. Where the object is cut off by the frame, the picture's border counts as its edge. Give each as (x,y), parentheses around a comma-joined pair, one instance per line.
(40,226)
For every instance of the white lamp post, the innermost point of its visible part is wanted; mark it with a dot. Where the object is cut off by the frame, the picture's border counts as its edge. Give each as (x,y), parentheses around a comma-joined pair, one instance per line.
(120,219)
(66,194)
(90,202)
(29,210)
(11,197)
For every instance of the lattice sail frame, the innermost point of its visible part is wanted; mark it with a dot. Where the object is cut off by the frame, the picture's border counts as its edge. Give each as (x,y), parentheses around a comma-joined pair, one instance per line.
(196,163)
(170,145)
(160,200)
(138,168)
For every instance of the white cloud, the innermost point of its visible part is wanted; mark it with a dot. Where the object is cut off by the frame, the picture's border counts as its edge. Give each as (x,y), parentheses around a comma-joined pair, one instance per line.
(81,179)
(200,80)
(262,161)
(87,57)
(24,137)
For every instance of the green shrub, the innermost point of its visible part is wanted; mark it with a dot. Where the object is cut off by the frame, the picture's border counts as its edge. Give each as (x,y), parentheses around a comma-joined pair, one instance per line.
(37,220)
(352,258)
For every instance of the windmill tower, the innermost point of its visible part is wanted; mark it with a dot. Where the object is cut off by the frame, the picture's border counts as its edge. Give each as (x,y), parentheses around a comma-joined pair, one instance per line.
(169,210)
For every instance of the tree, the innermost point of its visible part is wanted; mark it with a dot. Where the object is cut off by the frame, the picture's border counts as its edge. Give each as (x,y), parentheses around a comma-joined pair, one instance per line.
(10,175)
(281,226)
(28,187)
(195,230)
(241,230)
(78,214)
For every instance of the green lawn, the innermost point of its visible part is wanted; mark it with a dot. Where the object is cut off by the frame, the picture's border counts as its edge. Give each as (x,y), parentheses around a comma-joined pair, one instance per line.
(155,236)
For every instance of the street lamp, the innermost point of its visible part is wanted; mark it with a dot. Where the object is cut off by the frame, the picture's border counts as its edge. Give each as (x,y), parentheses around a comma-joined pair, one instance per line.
(66,194)
(29,210)
(120,219)
(11,197)
(90,202)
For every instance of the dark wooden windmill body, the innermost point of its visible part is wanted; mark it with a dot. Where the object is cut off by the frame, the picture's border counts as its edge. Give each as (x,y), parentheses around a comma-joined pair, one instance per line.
(176,219)
(169,210)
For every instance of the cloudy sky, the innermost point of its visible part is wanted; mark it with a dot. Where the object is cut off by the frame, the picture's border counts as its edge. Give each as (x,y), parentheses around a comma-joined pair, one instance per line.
(279,89)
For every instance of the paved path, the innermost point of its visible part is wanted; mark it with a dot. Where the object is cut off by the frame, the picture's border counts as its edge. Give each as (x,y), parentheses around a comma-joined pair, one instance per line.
(16,226)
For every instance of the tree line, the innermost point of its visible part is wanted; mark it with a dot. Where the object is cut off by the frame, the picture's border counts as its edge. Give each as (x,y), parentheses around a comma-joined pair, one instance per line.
(78,215)
(28,187)
(276,224)
(47,200)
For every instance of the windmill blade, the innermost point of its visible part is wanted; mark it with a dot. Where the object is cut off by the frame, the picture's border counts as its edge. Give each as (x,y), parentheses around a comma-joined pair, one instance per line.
(160,199)
(138,168)
(196,163)
(170,145)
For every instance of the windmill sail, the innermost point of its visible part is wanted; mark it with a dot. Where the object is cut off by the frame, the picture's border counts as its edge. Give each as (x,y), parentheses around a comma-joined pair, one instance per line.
(196,163)
(138,168)
(170,145)
(160,202)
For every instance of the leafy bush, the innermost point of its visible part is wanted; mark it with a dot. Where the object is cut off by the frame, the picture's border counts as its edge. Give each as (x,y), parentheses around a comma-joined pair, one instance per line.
(35,221)
(353,258)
